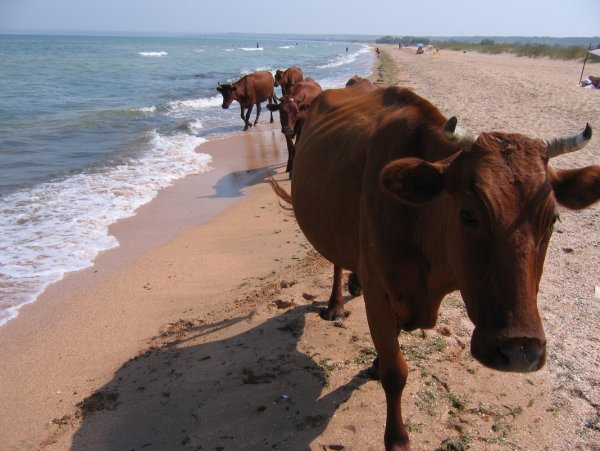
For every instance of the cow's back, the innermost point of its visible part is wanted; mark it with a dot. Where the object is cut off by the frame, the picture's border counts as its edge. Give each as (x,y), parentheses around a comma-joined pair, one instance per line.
(309,88)
(331,100)
(347,139)
(258,86)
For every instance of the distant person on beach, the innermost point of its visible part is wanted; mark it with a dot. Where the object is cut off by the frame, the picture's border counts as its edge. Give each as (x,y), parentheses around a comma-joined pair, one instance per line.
(400,46)
(257,45)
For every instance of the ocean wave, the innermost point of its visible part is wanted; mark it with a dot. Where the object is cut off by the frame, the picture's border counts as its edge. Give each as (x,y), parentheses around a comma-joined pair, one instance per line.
(251,49)
(61,226)
(345,58)
(287,47)
(178,108)
(153,54)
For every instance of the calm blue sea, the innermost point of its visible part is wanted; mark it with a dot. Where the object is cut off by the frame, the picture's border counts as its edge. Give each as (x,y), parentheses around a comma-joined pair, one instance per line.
(91,128)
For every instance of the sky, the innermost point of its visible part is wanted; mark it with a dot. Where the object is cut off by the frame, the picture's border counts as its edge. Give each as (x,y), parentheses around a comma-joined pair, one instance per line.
(557,18)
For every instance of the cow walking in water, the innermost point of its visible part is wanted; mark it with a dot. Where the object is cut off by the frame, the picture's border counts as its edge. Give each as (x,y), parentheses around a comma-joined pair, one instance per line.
(386,186)
(293,108)
(250,90)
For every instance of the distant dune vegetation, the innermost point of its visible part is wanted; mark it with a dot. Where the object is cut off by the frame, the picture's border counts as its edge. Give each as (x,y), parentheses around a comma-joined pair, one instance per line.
(532,47)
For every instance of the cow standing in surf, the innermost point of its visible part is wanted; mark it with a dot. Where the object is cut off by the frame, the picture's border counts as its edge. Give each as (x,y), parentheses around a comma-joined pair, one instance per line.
(250,90)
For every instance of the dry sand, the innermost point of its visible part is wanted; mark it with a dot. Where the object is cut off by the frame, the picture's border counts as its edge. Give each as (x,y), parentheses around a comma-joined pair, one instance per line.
(199,335)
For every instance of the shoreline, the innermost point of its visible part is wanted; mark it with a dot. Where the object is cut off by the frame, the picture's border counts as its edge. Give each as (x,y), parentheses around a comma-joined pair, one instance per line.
(91,304)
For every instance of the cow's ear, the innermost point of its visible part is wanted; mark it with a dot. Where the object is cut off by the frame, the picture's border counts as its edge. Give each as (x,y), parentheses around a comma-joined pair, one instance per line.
(576,188)
(412,181)
(273,107)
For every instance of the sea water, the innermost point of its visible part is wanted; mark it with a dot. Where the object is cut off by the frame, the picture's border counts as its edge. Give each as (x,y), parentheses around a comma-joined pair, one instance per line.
(91,128)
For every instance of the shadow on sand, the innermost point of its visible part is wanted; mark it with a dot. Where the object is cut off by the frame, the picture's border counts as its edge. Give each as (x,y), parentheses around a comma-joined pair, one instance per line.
(231,185)
(236,384)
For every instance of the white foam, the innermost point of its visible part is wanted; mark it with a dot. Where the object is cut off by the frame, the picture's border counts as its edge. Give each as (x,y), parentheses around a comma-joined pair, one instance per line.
(252,49)
(153,54)
(195,126)
(287,47)
(146,109)
(180,108)
(57,227)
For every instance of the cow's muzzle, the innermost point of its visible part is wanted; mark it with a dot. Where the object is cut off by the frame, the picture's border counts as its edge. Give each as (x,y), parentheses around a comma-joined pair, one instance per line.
(225,106)
(517,354)
(287,131)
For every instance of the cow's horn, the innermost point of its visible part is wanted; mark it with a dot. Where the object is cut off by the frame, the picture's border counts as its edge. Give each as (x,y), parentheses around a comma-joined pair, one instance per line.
(277,98)
(219,84)
(300,100)
(566,144)
(457,134)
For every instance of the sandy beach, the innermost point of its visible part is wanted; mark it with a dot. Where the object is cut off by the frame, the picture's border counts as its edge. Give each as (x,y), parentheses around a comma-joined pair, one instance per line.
(202,330)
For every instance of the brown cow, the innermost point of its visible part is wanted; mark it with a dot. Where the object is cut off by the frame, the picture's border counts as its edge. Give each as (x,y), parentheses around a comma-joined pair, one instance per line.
(387,187)
(288,78)
(250,90)
(293,108)
(331,100)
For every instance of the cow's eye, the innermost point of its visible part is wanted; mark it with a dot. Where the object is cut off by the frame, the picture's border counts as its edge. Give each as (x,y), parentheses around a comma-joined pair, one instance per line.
(469,218)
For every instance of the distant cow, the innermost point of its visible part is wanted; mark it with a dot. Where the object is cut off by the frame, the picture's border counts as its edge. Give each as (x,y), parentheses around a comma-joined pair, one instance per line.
(288,78)
(250,90)
(358,82)
(293,108)
(386,186)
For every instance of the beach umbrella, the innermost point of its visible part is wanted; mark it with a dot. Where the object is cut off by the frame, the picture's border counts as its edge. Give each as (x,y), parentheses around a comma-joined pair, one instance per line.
(593,52)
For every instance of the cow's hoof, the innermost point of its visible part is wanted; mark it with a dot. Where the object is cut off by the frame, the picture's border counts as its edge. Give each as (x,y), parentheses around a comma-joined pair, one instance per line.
(334,315)
(373,371)
(354,287)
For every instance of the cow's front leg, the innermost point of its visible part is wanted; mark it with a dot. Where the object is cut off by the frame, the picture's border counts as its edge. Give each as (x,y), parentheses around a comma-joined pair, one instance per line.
(393,371)
(290,147)
(244,117)
(258,108)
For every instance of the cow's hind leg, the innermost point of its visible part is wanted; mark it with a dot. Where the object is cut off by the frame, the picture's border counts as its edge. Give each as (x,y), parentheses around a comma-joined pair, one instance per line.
(247,118)
(258,108)
(354,287)
(335,307)
(271,100)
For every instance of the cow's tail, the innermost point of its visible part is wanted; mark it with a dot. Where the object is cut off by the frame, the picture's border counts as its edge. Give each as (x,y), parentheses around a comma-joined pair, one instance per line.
(284,198)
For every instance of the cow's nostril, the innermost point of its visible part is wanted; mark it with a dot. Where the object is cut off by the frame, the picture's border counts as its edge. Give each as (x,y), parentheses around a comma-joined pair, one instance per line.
(521,354)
